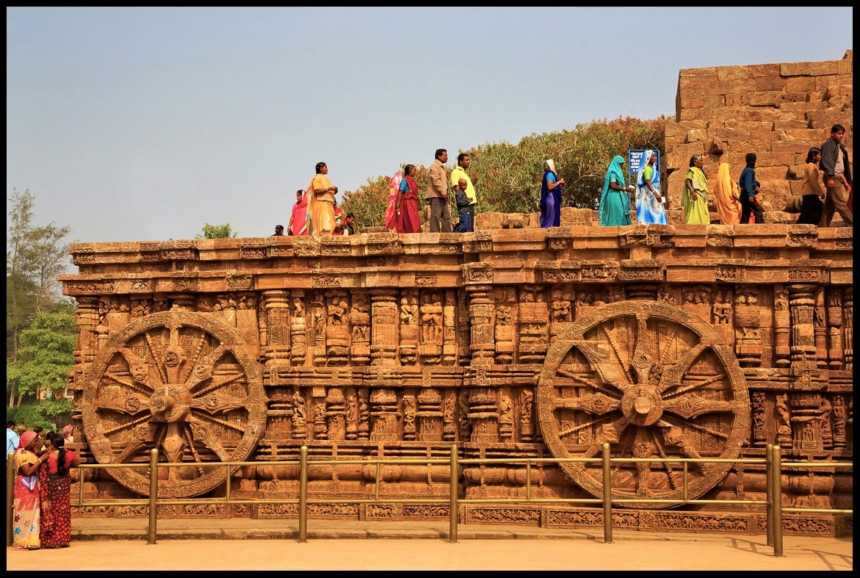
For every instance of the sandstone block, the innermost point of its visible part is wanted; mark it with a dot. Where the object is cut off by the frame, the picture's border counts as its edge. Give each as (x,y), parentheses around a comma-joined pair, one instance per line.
(824,119)
(763,70)
(800,84)
(734,86)
(770,173)
(769,83)
(765,98)
(691,114)
(778,158)
(809,68)
(802,134)
(733,73)
(709,72)
(695,135)
(795,97)
(791,147)
(775,187)
(790,124)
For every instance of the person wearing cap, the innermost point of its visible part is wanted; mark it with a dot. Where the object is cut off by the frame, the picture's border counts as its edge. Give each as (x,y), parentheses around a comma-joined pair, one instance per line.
(467,211)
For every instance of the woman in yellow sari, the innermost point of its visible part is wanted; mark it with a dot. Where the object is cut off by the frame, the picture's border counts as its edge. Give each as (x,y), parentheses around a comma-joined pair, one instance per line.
(695,197)
(727,197)
(321,203)
(25,507)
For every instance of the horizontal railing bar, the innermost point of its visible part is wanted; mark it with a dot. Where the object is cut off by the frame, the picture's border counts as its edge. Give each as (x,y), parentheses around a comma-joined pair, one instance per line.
(111,503)
(386,501)
(532,500)
(817,465)
(695,502)
(690,460)
(817,511)
(381,461)
(113,466)
(525,460)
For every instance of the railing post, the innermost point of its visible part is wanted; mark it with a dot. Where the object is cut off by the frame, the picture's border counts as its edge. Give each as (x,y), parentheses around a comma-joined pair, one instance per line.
(227,490)
(10,493)
(153,495)
(769,494)
(777,501)
(607,496)
(303,494)
(455,495)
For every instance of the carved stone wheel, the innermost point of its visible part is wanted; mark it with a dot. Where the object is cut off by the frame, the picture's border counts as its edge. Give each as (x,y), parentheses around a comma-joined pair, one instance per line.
(652,380)
(177,381)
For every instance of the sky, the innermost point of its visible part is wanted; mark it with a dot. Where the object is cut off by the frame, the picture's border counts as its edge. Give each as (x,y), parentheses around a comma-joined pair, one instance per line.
(145,123)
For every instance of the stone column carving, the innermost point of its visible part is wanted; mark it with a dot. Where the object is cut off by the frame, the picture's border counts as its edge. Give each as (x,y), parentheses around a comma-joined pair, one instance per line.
(318,404)
(805,402)
(431,327)
(363,414)
(298,351)
(781,327)
(506,416)
(533,316)
(464,425)
(318,328)
(506,312)
(802,304)
(409,414)
(820,325)
(848,326)
(409,326)
(826,409)
(336,411)
(721,313)
(526,411)
(277,310)
(481,317)
(449,320)
(840,416)
(337,328)
(429,415)
(449,416)
(299,417)
(561,315)
(748,347)
(359,319)
(351,414)
(140,307)
(835,354)
(383,332)
(783,421)
(759,430)
(383,414)
(484,415)
(88,318)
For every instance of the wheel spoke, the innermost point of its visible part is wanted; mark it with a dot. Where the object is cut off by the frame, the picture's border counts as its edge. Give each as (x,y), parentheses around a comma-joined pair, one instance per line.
(132,423)
(205,435)
(615,349)
(220,422)
(115,405)
(198,349)
(674,373)
(692,386)
(187,431)
(222,404)
(131,385)
(157,360)
(704,429)
(597,404)
(586,382)
(203,371)
(694,406)
(663,455)
(218,385)
(129,450)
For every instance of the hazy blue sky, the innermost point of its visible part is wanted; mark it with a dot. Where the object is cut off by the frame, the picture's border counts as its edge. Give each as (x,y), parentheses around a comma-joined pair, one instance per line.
(144,123)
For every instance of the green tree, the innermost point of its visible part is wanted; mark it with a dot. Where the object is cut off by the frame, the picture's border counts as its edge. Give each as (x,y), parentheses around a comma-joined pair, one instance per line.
(217,232)
(35,256)
(45,358)
(509,175)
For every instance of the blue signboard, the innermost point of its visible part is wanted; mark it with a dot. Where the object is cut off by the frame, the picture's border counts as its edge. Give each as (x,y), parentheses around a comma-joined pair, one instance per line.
(636,160)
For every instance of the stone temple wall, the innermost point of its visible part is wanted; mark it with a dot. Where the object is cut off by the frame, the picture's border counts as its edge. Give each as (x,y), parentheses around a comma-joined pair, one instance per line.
(775,110)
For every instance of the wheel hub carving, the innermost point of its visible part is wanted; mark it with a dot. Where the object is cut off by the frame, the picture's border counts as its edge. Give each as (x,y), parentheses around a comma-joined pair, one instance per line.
(651,380)
(180,382)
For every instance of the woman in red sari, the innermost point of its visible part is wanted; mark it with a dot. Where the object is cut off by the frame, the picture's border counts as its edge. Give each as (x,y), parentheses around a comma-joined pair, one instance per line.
(55,530)
(409,220)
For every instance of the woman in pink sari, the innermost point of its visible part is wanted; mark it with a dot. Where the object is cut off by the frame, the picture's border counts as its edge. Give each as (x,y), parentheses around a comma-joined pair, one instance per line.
(298,219)
(409,221)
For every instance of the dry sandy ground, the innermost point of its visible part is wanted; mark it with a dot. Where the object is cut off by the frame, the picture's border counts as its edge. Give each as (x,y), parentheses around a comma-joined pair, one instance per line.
(629,552)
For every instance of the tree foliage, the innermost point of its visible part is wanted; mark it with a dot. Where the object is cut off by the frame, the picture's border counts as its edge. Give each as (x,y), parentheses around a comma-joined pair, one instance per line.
(509,175)
(45,356)
(217,231)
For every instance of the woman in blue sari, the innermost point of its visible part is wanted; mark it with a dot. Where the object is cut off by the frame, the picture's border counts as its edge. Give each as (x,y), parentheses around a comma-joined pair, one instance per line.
(551,188)
(649,203)
(614,206)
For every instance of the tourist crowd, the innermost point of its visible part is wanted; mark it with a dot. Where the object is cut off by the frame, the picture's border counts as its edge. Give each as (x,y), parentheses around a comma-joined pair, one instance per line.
(827,189)
(41,507)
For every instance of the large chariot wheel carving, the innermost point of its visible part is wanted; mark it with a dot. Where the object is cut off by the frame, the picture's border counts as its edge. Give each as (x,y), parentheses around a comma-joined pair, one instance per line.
(652,380)
(180,382)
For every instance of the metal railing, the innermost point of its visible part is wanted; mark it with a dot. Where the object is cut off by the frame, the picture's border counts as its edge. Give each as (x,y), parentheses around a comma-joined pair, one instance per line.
(773,502)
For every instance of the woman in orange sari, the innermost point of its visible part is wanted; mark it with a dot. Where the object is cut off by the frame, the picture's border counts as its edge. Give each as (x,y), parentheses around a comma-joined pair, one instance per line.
(727,197)
(322,203)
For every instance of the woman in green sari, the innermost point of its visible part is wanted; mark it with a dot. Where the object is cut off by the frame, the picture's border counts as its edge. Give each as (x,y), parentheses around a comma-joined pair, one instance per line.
(695,197)
(614,206)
